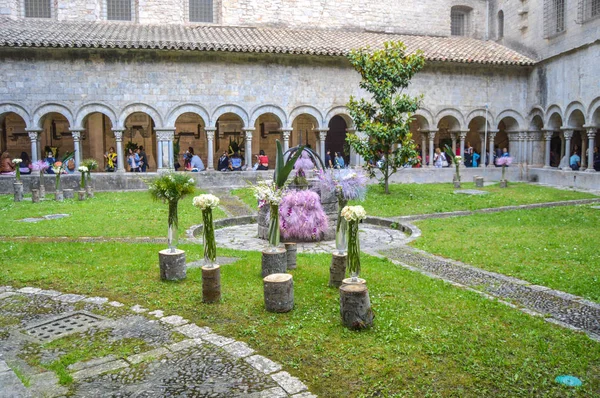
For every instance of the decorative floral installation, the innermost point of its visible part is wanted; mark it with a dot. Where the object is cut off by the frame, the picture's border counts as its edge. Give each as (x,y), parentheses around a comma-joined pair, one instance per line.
(206,203)
(17,162)
(91,164)
(267,193)
(302,216)
(304,162)
(354,213)
(504,161)
(41,166)
(82,170)
(348,184)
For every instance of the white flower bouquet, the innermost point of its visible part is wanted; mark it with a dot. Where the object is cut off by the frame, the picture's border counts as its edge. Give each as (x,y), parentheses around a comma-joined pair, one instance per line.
(353,214)
(17,162)
(206,203)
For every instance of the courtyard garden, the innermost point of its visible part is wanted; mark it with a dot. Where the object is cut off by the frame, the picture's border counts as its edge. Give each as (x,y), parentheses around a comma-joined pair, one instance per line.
(429,338)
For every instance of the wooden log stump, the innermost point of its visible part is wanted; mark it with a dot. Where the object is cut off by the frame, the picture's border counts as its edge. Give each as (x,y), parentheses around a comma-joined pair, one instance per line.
(35,196)
(503,183)
(58,196)
(211,284)
(81,195)
(358,281)
(337,270)
(274,262)
(291,250)
(89,191)
(42,192)
(68,194)
(279,292)
(475,177)
(457,184)
(18,186)
(355,307)
(172,265)
(479,182)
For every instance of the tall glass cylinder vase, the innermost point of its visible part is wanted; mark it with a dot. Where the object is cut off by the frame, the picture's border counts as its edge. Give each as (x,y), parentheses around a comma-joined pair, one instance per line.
(341,230)
(208,235)
(274,234)
(173,237)
(57,183)
(353,250)
(42,187)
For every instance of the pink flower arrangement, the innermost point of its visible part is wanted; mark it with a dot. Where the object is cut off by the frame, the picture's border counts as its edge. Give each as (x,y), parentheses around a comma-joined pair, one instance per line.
(302,216)
(504,161)
(347,183)
(40,166)
(304,162)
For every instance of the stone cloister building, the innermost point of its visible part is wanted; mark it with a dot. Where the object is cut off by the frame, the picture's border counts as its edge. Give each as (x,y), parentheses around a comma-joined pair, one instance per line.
(87,75)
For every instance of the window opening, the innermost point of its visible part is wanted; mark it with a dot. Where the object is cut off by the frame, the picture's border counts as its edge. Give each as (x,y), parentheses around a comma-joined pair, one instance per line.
(200,10)
(119,10)
(554,17)
(500,24)
(457,23)
(38,8)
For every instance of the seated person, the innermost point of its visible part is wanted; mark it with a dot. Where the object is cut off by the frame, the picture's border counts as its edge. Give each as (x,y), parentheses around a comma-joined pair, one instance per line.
(7,167)
(24,166)
(235,163)
(50,160)
(223,164)
(196,164)
(263,161)
(575,161)
(70,169)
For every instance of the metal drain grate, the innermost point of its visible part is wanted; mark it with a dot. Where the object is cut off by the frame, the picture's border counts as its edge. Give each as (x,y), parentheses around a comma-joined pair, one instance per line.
(63,325)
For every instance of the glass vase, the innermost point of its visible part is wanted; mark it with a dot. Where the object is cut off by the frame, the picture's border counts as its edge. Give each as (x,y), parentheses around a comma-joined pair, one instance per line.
(173,237)
(341,230)
(208,235)
(57,183)
(274,234)
(353,250)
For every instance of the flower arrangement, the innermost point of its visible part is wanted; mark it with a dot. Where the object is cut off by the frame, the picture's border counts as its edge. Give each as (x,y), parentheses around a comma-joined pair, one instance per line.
(353,215)
(302,216)
(347,185)
(41,166)
(57,168)
(456,159)
(504,161)
(17,162)
(172,187)
(207,203)
(91,164)
(83,170)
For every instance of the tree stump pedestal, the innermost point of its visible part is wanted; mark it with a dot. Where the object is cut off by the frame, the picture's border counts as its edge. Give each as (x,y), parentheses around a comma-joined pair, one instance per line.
(81,195)
(279,292)
(68,194)
(18,191)
(337,270)
(211,284)
(355,307)
(58,196)
(291,250)
(274,261)
(358,281)
(479,182)
(42,192)
(35,196)
(503,184)
(89,191)
(172,265)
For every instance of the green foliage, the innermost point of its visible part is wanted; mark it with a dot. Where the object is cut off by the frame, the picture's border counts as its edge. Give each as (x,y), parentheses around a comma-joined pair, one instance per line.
(171,187)
(283,169)
(131,145)
(385,120)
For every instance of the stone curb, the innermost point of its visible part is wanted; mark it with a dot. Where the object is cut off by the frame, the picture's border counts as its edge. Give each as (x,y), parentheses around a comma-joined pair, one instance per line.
(288,385)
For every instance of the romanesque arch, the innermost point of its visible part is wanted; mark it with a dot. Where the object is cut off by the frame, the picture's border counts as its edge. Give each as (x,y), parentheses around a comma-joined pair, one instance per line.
(513,120)
(424,119)
(454,117)
(341,111)
(231,108)
(269,108)
(306,110)
(139,107)
(18,109)
(593,114)
(43,110)
(575,114)
(85,110)
(480,113)
(179,110)
(554,114)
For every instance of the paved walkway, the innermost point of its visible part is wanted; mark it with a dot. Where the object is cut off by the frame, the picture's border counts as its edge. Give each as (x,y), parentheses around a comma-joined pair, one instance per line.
(145,354)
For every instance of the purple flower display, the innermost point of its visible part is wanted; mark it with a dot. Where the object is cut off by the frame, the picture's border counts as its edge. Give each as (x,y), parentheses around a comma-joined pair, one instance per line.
(304,162)
(302,216)
(504,161)
(39,165)
(347,183)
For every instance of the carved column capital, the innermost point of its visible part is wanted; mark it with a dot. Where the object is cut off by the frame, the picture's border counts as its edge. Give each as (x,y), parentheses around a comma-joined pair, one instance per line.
(210,133)
(118,135)
(463,134)
(34,135)
(165,135)
(568,134)
(548,135)
(323,134)
(286,133)
(431,134)
(76,135)
(591,132)
(248,132)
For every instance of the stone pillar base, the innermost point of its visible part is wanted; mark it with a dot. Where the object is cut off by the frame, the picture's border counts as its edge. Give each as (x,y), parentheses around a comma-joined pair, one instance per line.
(172,265)
(590,170)
(81,195)
(35,195)
(58,196)
(211,284)
(18,191)
(68,193)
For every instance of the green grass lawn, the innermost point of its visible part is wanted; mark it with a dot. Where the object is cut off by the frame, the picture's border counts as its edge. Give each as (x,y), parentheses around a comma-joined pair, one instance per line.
(555,247)
(109,214)
(429,338)
(411,199)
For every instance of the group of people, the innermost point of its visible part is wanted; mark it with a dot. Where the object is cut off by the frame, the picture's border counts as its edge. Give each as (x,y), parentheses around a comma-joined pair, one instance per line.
(575,159)
(334,162)
(235,162)
(7,167)
(471,157)
(136,159)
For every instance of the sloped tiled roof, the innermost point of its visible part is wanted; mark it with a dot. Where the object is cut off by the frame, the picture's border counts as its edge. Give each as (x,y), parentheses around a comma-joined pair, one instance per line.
(40,33)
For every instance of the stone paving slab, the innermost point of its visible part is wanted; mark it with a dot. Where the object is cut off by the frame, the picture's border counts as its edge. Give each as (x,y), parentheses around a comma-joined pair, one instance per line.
(204,365)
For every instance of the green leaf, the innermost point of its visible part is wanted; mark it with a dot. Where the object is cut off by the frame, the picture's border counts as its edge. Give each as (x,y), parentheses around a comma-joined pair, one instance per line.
(282,171)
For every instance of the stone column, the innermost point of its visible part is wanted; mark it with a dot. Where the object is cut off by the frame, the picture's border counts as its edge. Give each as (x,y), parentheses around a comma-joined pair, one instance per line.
(562,145)
(463,136)
(286,138)
(248,158)
(568,135)
(482,150)
(164,138)
(522,150)
(583,151)
(120,153)
(431,136)
(352,154)
(76,147)
(34,136)
(423,148)
(548,137)
(591,133)
(322,138)
(210,159)
(490,152)
(453,136)
(530,137)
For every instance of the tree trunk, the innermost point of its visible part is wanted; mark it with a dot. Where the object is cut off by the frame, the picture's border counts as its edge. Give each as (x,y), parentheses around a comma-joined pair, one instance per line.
(274,262)
(211,284)
(279,292)
(172,264)
(337,270)
(35,195)
(355,307)
(291,250)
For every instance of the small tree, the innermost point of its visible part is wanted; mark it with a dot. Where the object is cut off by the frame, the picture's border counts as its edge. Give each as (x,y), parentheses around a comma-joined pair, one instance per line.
(385,119)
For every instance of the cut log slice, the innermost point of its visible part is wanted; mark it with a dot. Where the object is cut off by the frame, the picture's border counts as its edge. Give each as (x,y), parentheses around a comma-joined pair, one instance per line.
(279,292)
(337,270)
(355,307)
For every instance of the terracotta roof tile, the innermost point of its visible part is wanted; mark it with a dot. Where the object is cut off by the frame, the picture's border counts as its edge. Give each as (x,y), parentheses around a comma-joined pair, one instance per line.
(37,33)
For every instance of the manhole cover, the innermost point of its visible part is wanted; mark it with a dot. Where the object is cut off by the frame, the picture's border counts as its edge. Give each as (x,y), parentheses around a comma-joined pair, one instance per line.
(63,325)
